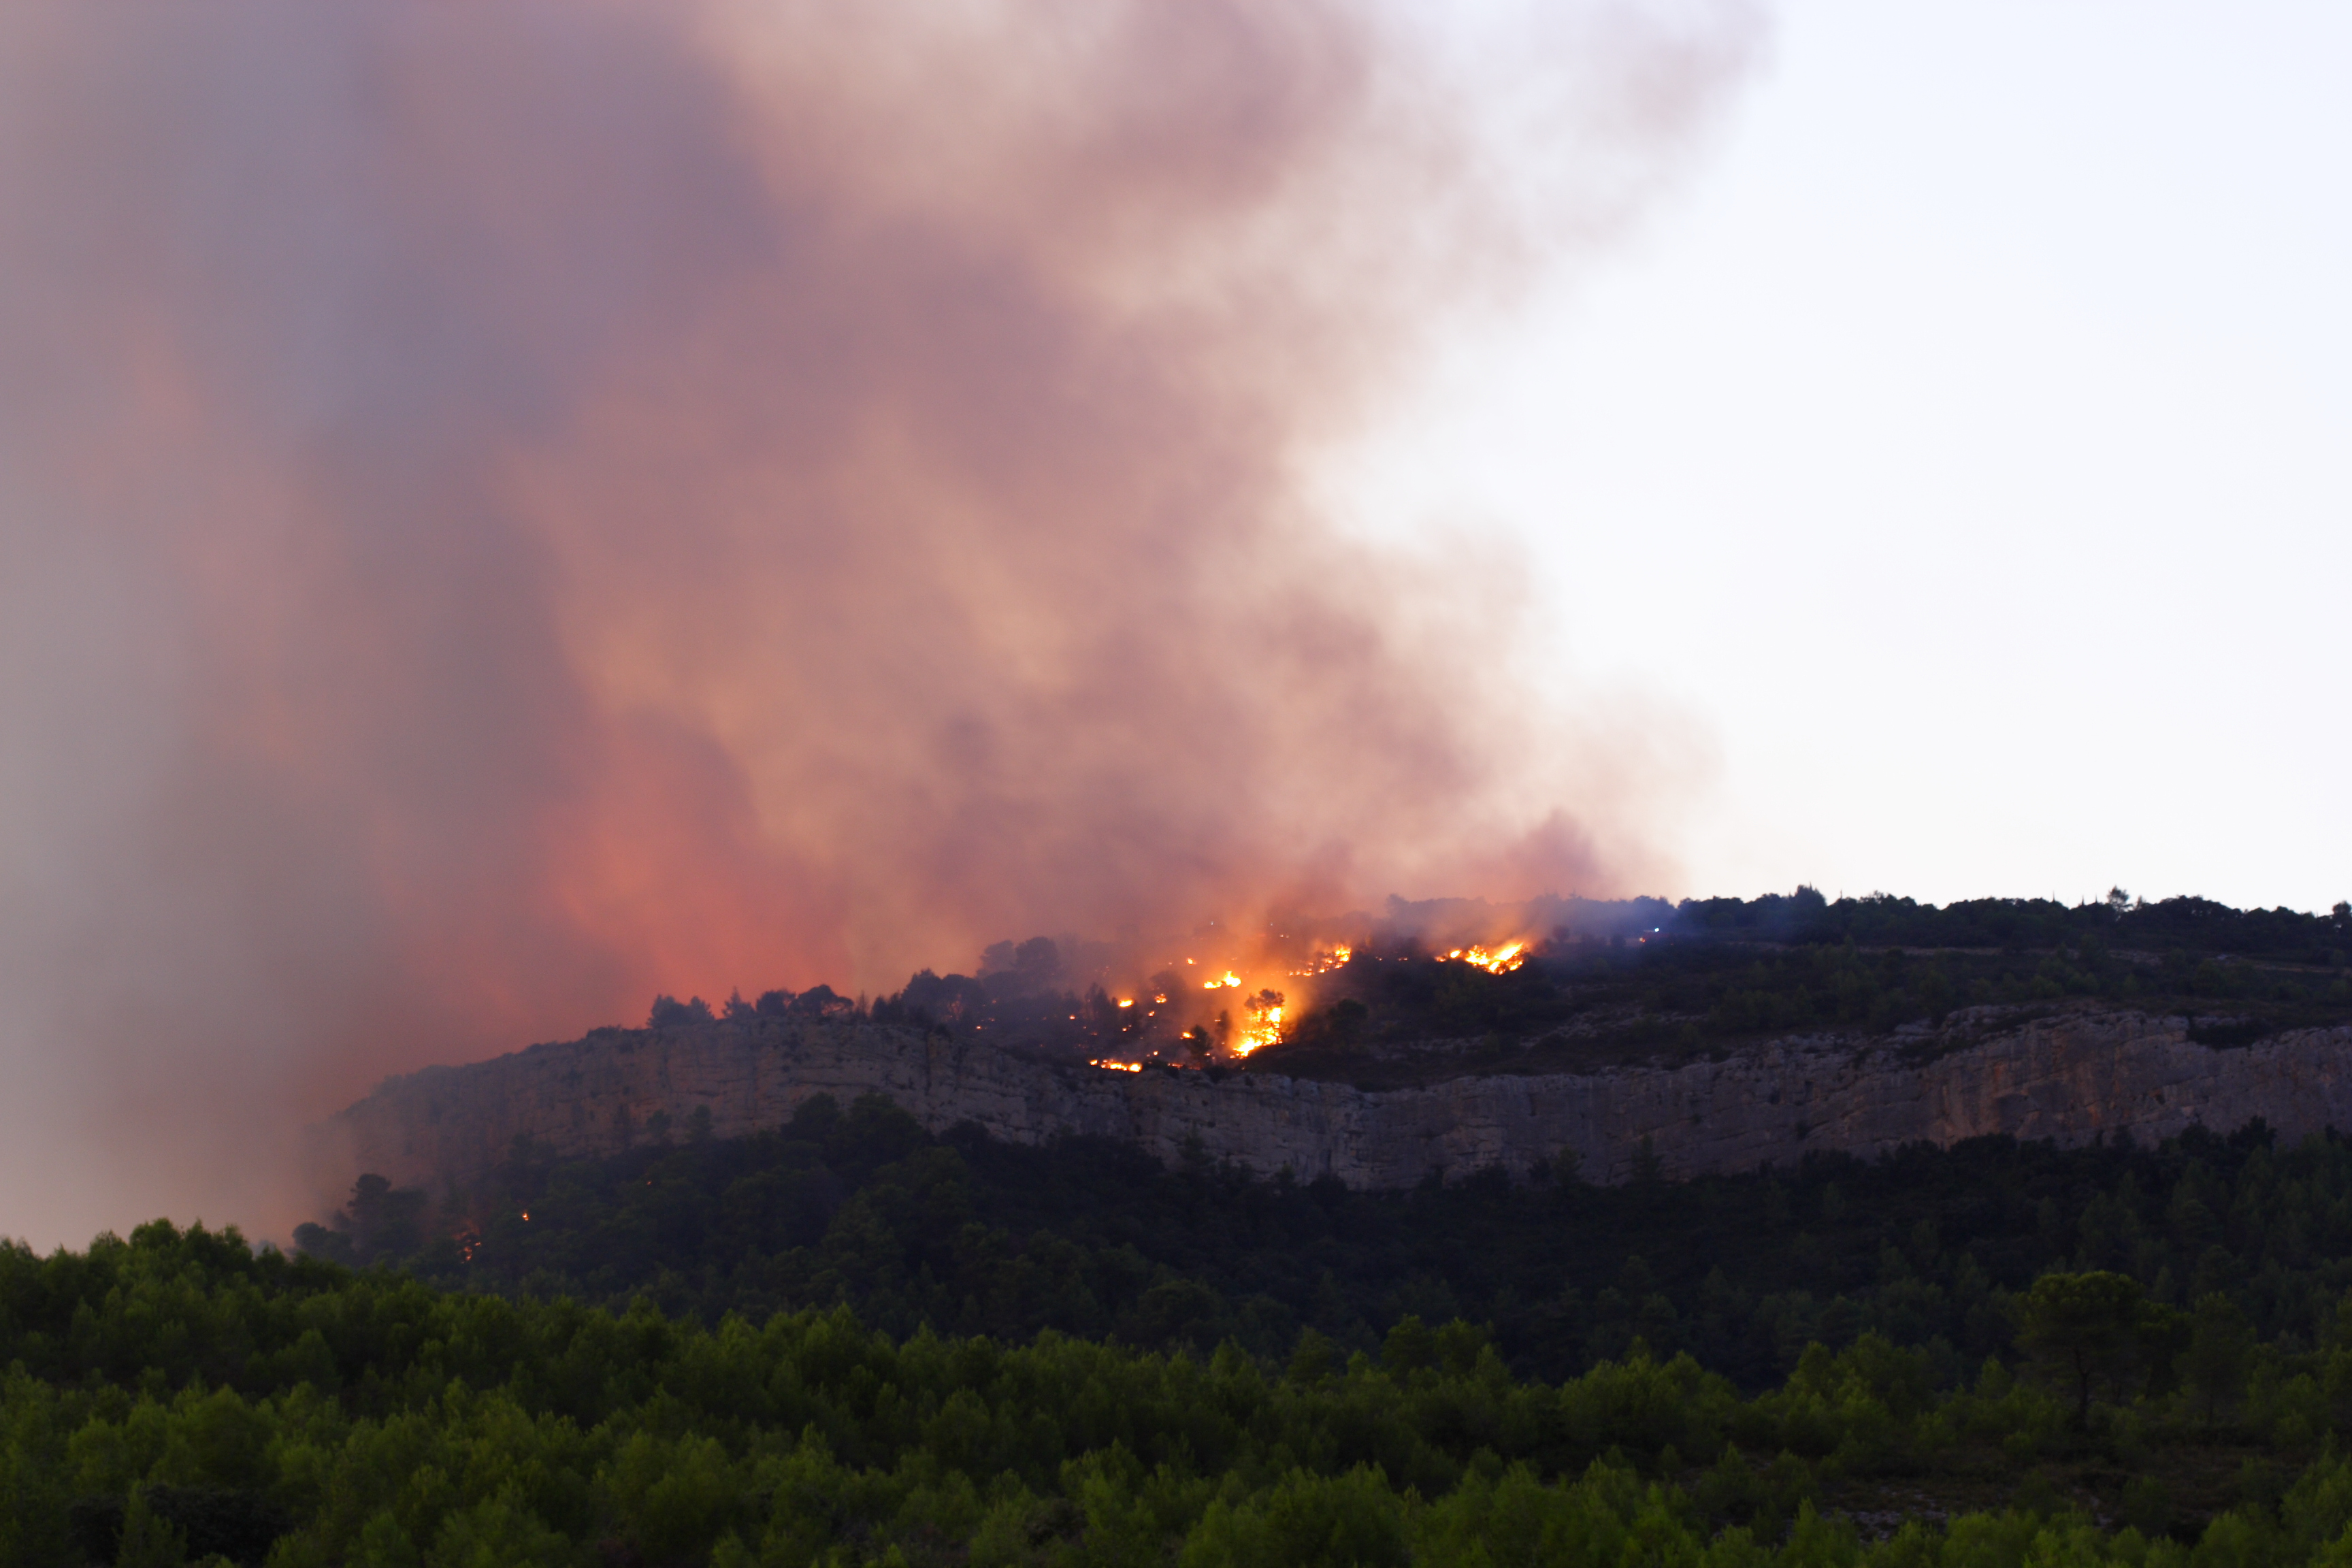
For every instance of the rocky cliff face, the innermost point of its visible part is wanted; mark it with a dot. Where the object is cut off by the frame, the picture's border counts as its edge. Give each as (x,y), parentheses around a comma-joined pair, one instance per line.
(2066,1078)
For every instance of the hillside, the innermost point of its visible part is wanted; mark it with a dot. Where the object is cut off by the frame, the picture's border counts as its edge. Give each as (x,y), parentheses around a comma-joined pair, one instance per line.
(1716,977)
(1881,1319)
(1994,1253)
(859,1205)
(1601,984)
(1718,1047)
(2080,1071)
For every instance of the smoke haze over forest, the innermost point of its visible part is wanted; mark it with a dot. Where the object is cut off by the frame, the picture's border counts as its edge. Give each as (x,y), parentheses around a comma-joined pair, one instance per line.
(506,509)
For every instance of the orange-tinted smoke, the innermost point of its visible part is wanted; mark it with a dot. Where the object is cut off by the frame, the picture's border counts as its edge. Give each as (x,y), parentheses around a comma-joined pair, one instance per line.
(505,507)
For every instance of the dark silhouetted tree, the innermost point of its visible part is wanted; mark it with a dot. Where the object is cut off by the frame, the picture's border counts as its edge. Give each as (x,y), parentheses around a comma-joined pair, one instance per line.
(2083,1330)
(670,1012)
(2221,1353)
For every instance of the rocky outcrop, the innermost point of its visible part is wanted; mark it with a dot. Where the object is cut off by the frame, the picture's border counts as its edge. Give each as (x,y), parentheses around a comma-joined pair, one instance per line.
(2068,1078)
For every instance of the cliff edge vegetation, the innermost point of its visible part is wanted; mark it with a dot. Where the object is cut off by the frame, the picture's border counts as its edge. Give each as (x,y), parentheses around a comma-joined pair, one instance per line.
(1595,983)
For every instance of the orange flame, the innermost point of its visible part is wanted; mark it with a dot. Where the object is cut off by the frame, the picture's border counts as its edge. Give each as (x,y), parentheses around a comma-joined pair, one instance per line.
(1264,1026)
(1494,961)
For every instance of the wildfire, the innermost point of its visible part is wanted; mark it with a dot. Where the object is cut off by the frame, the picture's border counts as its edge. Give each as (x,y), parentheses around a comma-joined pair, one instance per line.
(1228,980)
(1264,1026)
(1494,961)
(1109,1065)
(1323,963)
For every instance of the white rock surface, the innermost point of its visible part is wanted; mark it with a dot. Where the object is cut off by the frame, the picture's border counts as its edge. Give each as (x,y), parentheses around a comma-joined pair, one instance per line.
(2068,1078)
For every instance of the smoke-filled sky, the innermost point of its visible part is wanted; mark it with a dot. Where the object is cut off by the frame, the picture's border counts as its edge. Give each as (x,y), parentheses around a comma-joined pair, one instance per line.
(507,508)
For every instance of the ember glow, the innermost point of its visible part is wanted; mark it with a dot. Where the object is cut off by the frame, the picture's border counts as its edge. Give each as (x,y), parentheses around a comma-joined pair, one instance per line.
(1500,960)
(1277,982)
(1264,1027)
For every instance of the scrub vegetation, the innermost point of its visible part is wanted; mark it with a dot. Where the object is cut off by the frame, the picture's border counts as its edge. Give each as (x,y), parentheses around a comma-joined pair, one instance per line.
(1711,975)
(1608,981)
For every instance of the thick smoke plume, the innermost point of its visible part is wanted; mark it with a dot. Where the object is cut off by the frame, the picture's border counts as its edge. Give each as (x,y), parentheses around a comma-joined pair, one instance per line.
(507,508)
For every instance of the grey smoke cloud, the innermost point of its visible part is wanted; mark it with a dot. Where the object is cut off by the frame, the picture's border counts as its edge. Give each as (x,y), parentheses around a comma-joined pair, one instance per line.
(507,508)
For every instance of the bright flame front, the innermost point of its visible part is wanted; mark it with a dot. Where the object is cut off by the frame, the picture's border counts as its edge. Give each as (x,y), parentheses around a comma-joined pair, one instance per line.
(1494,961)
(1263,1026)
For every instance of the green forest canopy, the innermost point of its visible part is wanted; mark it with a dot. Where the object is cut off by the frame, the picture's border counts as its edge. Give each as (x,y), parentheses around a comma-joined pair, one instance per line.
(1664,1333)
(180,1393)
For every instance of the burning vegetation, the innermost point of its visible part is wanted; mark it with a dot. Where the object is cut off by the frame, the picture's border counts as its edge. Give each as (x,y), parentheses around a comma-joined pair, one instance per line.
(1216,998)
(1223,1003)
(1500,960)
(1560,984)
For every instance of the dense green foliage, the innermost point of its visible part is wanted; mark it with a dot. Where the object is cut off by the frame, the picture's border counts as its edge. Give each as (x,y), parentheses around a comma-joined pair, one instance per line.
(969,1235)
(178,1381)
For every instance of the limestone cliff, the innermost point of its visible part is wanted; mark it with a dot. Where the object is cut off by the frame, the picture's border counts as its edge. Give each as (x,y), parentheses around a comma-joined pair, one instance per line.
(2066,1078)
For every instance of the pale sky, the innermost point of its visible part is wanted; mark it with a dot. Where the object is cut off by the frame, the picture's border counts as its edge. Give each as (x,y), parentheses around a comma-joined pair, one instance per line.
(1962,450)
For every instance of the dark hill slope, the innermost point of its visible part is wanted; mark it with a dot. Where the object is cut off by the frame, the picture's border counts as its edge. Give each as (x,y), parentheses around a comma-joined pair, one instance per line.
(970,1234)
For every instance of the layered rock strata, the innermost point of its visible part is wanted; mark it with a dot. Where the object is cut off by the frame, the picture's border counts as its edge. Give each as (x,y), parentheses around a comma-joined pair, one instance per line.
(2068,1078)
